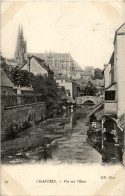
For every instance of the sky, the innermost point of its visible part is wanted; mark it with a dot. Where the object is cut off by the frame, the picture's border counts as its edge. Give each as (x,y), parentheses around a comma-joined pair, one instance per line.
(85,29)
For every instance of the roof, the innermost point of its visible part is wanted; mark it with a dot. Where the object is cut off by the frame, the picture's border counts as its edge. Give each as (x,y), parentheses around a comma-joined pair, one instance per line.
(24,88)
(5,81)
(122,27)
(111,61)
(87,68)
(62,77)
(99,114)
(120,31)
(98,82)
(84,74)
(11,60)
(111,86)
(70,99)
(60,56)
(98,107)
(41,62)
(105,67)
(121,122)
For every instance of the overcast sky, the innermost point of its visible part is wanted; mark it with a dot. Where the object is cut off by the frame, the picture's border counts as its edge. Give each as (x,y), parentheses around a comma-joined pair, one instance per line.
(85,29)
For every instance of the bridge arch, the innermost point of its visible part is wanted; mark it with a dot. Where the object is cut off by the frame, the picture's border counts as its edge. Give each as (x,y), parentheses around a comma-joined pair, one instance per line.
(83,99)
(89,102)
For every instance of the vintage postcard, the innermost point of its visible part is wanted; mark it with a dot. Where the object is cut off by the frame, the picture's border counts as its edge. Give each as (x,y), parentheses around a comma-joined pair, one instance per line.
(62,98)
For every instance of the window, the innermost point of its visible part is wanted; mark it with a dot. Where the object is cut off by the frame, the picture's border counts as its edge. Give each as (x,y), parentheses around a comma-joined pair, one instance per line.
(68,93)
(109,95)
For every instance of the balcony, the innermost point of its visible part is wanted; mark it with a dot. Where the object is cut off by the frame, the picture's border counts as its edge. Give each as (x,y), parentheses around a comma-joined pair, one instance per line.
(110,107)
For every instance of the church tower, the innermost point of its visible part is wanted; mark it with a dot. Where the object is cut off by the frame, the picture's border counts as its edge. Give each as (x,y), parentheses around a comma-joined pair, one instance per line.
(21,48)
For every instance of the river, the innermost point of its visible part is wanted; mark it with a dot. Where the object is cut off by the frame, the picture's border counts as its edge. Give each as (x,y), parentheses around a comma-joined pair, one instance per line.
(61,139)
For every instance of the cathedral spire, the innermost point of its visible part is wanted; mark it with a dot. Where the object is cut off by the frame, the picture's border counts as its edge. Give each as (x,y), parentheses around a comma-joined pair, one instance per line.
(21,48)
(21,32)
(18,41)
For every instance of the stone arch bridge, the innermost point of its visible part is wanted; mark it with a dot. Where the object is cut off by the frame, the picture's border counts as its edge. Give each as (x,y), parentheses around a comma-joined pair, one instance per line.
(90,99)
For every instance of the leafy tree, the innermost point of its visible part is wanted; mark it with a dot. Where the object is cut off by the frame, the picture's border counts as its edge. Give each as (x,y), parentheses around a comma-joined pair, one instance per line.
(48,89)
(21,77)
(42,85)
(98,74)
(90,89)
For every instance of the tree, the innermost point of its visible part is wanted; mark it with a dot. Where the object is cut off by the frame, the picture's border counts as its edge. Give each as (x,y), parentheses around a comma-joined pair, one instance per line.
(21,77)
(48,89)
(98,74)
(90,89)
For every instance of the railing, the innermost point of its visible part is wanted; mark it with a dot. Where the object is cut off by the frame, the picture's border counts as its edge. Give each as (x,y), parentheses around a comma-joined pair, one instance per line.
(14,100)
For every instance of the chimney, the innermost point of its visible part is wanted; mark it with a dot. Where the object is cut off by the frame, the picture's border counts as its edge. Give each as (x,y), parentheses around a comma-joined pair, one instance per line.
(28,63)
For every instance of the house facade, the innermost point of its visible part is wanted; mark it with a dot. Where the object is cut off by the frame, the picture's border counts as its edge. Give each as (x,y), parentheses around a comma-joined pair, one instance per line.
(65,82)
(5,84)
(37,66)
(24,90)
(110,114)
(89,71)
(114,78)
(114,98)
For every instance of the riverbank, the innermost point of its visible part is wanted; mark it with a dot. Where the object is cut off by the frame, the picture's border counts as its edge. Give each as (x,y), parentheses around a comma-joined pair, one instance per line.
(43,141)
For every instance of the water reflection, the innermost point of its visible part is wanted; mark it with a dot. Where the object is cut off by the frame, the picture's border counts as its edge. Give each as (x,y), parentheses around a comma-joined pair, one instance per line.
(65,138)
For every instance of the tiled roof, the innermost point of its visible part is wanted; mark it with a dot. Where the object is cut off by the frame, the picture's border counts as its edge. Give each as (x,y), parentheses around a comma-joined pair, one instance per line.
(99,114)
(5,81)
(41,62)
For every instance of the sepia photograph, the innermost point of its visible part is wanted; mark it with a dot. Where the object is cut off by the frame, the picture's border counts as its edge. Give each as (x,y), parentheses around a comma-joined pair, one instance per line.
(63,95)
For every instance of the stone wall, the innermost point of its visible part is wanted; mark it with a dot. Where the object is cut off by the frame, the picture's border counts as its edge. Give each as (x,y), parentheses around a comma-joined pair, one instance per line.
(21,116)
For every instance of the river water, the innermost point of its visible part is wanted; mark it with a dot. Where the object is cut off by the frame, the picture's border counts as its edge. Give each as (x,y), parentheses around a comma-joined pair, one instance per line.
(65,141)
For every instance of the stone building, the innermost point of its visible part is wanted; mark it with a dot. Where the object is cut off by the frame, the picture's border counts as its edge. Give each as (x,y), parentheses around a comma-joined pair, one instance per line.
(89,71)
(86,78)
(60,63)
(65,82)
